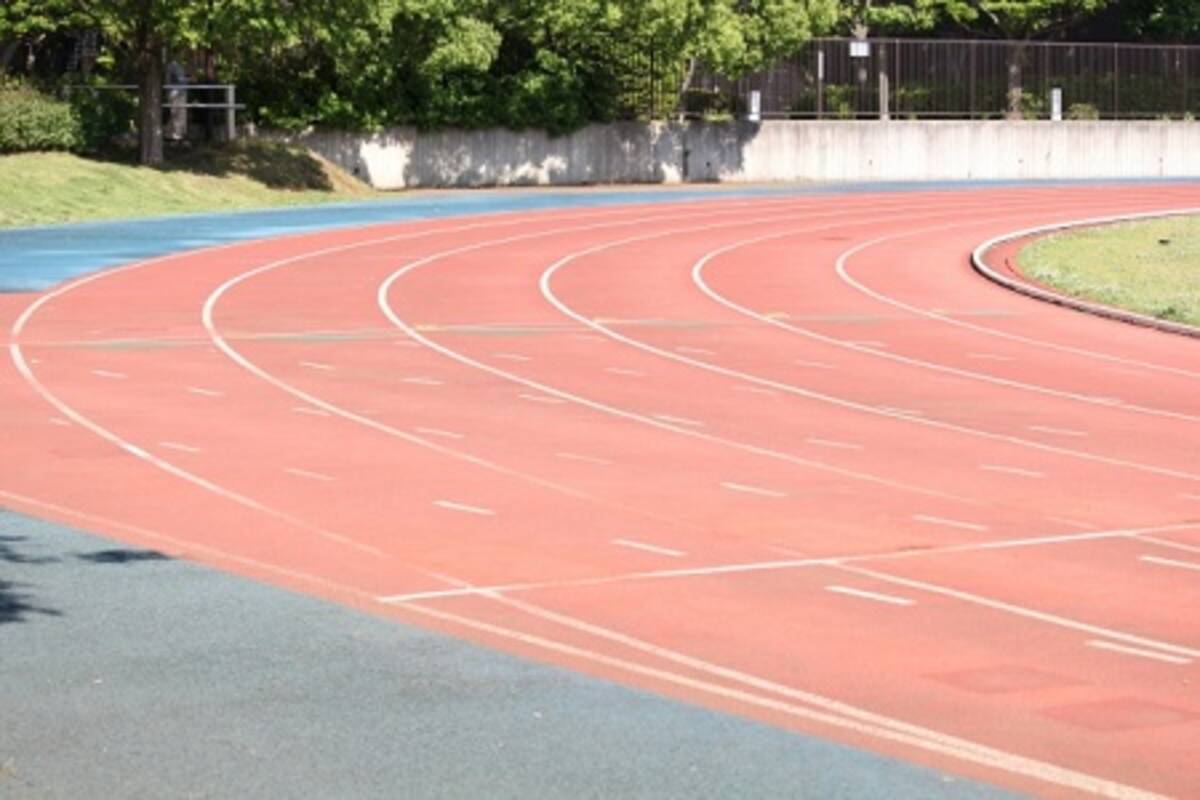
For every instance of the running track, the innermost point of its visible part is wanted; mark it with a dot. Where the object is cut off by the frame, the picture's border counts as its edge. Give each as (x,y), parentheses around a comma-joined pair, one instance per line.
(787,457)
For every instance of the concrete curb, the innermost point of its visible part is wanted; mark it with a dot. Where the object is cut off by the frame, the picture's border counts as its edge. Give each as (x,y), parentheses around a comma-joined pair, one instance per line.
(1010,276)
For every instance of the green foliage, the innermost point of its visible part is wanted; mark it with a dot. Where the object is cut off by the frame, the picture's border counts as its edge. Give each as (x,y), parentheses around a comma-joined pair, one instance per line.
(1019,19)
(30,120)
(104,116)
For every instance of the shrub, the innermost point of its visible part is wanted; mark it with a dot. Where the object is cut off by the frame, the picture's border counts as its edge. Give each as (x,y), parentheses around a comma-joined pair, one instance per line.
(30,120)
(104,116)
(1083,111)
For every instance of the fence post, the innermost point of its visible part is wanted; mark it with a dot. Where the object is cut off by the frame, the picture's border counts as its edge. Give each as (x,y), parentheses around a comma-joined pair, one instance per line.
(230,113)
(1116,81)
(820,81)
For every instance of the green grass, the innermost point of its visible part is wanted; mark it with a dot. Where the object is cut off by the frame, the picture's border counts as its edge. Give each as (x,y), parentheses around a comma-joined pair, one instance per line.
(1151,267)
(38,188)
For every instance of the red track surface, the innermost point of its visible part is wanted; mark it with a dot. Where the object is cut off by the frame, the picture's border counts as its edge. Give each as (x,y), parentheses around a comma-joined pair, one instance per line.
(787,457)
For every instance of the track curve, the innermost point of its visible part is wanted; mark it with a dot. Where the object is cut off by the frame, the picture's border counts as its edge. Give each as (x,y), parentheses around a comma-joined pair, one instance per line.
(786,457)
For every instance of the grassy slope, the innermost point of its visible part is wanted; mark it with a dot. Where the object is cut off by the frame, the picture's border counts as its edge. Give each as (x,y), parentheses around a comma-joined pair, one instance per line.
(38,188)
(1151,267)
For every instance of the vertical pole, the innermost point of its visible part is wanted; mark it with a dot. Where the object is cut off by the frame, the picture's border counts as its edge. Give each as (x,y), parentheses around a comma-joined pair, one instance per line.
(1116,81)
(230,113)
(820,81)
(972,70)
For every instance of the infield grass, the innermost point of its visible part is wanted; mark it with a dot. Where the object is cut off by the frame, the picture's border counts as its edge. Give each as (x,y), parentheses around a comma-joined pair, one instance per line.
(1148,266)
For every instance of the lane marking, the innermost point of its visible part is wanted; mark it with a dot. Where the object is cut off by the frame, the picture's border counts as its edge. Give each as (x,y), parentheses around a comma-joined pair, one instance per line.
(949,523)
(632,373)
(1057,431)
(103,373)
(1170,562)
(880,598)
(1100,644)
(990,357)
(1024,473)
(315,412)
(756,390)
(185,448)
(650,548)
(908,412)
(834,443)
(316,365)
(866,343)
(541,398)
(812,364)
(205,392)
(507,356)
(700,351)
(741,487)
(422,381)
(59,421)
(1186,548)
(440,432)
(463,507)
(691,423)
(580,457)
(303,473)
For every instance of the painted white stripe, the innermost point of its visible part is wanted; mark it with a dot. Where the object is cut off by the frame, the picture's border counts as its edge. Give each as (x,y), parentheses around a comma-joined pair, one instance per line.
(315,412)
(756,390)
(699,351)
(881,598)
(812,364)
(632,373)
(580,457)
(303,473)
(205,392)
(833,443)
(315,365)
(1186,548)
(1057,431)
(1170,562)
(990,357)
(186,448)
(541,398)
(650,548)
(949,523)
(440,432)
(866,343)
(679,420)
(1024,473)
(103,373)
(512,357)
(452,506)
(741,487)
(1100,644)
(907,412)
(59,421)
(422,381)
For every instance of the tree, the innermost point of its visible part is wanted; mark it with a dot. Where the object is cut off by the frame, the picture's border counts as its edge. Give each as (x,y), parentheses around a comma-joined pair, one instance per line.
(1163,20)
(27,22)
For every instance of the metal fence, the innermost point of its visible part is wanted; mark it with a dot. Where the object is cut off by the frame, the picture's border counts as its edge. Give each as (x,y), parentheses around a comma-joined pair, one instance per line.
(961,79)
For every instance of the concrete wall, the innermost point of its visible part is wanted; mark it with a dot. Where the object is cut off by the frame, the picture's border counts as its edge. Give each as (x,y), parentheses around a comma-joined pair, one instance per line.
(633,152)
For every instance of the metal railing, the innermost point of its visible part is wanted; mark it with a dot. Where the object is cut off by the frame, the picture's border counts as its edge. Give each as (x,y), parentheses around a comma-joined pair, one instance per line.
(962,79)
(177,97)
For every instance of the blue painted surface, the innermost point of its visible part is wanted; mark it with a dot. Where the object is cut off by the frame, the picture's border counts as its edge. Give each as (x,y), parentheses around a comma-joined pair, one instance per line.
(34,259)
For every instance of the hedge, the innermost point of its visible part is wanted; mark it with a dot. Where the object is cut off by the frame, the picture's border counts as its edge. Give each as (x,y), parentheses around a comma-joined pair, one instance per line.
(30,120)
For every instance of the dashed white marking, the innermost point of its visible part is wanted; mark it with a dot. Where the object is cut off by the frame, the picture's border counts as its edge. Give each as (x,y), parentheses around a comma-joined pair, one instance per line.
(185,448)
(699,351)
(867,343)
(650,548)
(1057,431)
(908,412)
(463,507)
(35,361)
(879,598)
(512,357)
(1187,548)
(1100,644)
(632,373)
(541,398)
(990,357)
(741,487)
(422,381)
(440,432)
(579,457)
(59,421)
(313,476)
(812,364)
(103,373)
(316,365)
(1074,523)
(756,390)
(949,523)
(1170,562)
(315,412)
(1107,400)
(679,420)
(205,392)
(1024,473)
(833,443)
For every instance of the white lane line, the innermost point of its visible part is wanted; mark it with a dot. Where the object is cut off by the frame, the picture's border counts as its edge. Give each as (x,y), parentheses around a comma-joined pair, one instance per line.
(315,365)
(580,457)
(312,476)
(800,362)
(59,421)
(103,373)
(650,548)
(990,357)
(1024,473)
(1186,548)
(185,448)
(422,381)
(632,373)
(866,343)
(1074,523)
(699,351)
(1057,431)
(205,392)
(541,398)
(440,432)
(463,507)
(741,487)
(833,443)
(692,423)
(1100,644)
(950,523)
(756,390)
(880,598)
(1170,562)
(315,412)
(908,412)
(511,357)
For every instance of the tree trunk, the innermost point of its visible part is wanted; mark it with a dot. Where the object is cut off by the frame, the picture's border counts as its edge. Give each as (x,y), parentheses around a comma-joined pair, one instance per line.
(1016,92)
(8,49)
(150,105)
(685,85)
